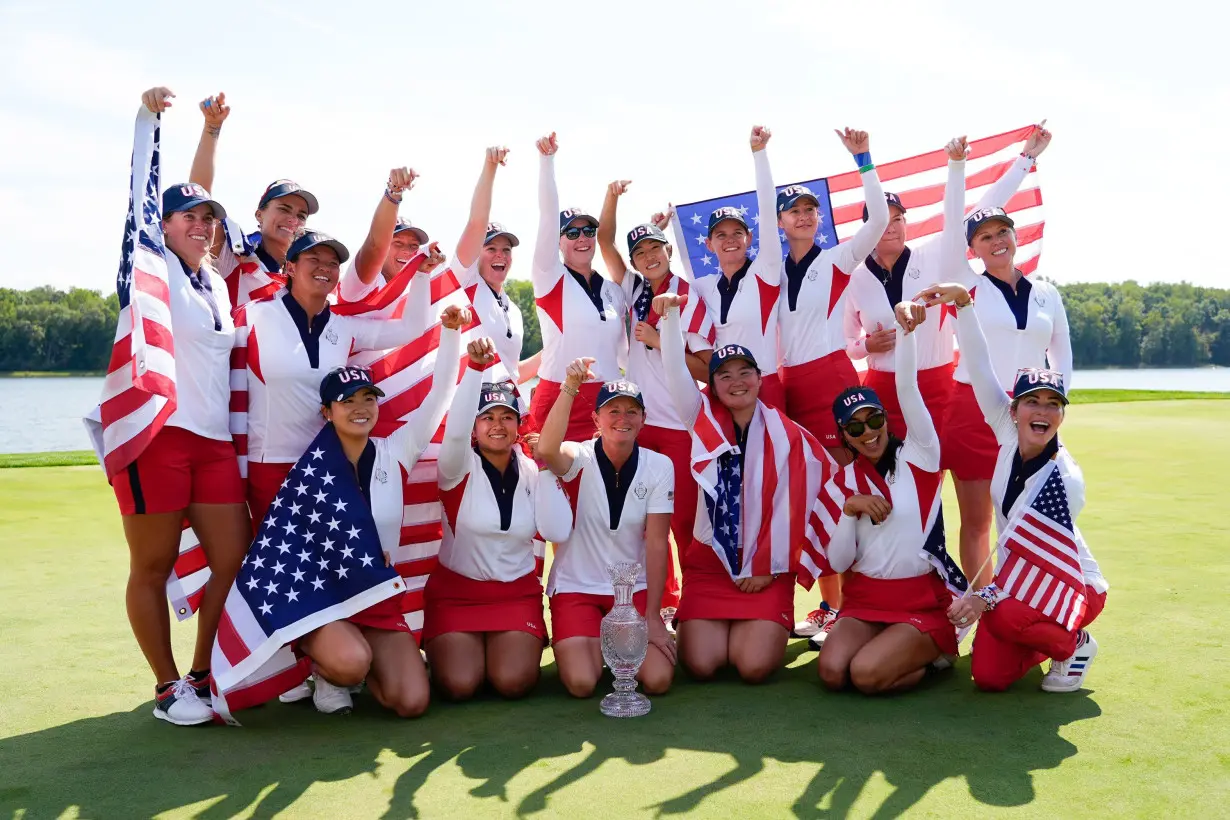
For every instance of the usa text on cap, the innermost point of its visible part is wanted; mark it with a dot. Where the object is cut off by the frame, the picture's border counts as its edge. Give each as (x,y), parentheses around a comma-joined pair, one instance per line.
(495,230)
(978,218)
(311,239)
(893,201)
(788,196)
(497,394)
(571,215)
(853,399)
(614,390)
(288,187)
(722,214)
(726,353)
(403,224)
(643,233)
(1034,379)
(341,383)
(186,196)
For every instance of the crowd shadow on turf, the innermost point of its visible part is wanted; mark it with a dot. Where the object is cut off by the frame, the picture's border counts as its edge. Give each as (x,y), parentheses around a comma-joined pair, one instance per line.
(128,765)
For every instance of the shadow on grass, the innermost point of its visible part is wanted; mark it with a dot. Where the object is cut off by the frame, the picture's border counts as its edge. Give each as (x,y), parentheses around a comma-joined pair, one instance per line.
(129,765)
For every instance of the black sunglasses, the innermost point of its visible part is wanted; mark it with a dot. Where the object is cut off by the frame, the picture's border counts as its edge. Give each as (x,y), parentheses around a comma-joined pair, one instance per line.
(875,421)
(575,233)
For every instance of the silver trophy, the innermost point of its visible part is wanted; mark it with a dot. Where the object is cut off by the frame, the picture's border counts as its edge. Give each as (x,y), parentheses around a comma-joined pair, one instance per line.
(625,639)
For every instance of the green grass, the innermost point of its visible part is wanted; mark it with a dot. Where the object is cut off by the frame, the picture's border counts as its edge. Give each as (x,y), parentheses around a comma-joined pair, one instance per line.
(1110,396)
(1148,738)
(49,374)
(65,458)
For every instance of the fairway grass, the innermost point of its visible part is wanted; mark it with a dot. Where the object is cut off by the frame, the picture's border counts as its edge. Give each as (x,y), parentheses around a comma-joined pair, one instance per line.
(1149,737)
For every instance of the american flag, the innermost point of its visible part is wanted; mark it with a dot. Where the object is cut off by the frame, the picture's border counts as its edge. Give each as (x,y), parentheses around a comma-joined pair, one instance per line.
(139,390)
(785,523)
(316,559)
(1041,566)
(693,316)
(918,180)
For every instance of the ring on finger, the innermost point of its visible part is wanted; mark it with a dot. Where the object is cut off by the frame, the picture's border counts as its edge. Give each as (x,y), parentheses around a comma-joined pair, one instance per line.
(964,620)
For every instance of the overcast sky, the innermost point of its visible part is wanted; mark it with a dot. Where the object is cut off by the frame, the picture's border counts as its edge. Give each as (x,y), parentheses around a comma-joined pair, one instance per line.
(334,94)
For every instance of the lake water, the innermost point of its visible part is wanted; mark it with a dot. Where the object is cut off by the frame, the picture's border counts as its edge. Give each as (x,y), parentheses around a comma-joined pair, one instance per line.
(45,414)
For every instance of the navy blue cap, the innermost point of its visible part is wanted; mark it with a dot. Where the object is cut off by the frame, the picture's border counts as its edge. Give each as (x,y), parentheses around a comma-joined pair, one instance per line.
(853,399)
(285,187)
(341,383)
(644,233)
(1033,379)
(570,215)
(403,224)
(311,239)
(791,194)
(187,195)
(497,394)
(722,214)
(496,230)
(613,390)
(975,220)
(892,199)
(727,352)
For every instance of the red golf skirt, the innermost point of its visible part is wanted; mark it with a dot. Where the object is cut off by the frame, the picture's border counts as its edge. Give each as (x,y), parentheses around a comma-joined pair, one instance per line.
(264,481)
(921,601)
(935,384)
(388,615)
(453,602)
(811,389)
(178,468)
(710,594)
(967,444)
(580,422)
(580,614)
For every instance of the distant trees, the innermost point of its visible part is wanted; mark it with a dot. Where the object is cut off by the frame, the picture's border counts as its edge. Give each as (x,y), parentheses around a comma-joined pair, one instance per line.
(1112,325)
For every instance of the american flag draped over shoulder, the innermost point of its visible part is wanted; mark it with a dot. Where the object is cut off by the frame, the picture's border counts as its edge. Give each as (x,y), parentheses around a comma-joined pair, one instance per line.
(693,315)
(777,512)
(918,180)
(316,559)
(1041,564)
(139,391)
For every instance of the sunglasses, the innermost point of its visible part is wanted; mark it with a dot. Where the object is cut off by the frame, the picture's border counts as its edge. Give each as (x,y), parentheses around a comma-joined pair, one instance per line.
(575,233)
(875,421)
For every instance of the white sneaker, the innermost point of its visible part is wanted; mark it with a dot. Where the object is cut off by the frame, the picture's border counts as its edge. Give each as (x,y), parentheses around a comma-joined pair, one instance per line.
(180,705)
(330,699)
(1068,675)
(301,692)
(668,618)
(943,662)
(830,620)
(815,622)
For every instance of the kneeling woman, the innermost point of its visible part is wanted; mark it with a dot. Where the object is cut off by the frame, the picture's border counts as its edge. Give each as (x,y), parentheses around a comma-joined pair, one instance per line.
(1048,586)
(893,621)
(484,619)
(761,477)
(622,498)
(318,557)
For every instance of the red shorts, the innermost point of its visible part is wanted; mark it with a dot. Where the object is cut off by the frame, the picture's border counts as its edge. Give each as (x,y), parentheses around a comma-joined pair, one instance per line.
(264,481)
(388,615)
(453,602)
(811,389)
(179,468)
(710,594)
(967,444)
(580,423)
(677,446)
(580,614)
(921,602)
(935,384)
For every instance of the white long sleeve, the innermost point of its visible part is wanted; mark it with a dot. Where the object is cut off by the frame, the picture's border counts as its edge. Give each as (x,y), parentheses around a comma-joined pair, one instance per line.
(455,448)
(382,334)
(768,262)
(413,437)
(856,341)
(955,265)
(552,510)
(843,546)
(865,238)
(1059,351)
(1005,187)
(922,444)
(545,268)
(975,355)
(684,392)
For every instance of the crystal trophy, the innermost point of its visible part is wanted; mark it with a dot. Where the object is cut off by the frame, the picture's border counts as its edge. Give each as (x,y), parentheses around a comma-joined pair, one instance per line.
(625,640)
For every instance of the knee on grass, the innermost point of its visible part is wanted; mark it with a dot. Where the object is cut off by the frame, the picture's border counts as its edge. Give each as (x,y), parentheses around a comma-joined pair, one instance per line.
(870,678)
(409,702)
(513,685)
(656,680)
(580,682)
(456,684)
(833,674)
(346,665)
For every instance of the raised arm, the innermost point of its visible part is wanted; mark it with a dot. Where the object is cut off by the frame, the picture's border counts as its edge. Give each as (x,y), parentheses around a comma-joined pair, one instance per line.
(382,334)
(611,256)
(546,249)
(922,442)
(552,449)
(864,240)
(370,258)
(1002,190)
(1059,351)
(215,111)
(455,449)
(954,264)
(413,437)
(471,242)
(684,392)
(768,262)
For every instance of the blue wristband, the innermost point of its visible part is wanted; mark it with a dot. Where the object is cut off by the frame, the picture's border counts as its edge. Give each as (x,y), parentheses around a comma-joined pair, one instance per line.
(862,159)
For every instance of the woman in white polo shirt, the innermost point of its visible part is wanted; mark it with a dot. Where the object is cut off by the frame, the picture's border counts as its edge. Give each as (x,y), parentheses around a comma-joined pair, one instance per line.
(293,339)
(580,312)
(484,617)
(622,496)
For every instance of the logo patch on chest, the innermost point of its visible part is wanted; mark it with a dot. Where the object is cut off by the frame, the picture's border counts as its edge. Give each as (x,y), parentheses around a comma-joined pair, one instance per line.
(813,274)
(382,476)
(640,491)
(913,272)
(331,336)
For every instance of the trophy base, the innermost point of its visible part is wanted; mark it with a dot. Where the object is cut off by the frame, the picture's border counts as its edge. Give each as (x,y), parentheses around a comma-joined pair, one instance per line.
(625,704)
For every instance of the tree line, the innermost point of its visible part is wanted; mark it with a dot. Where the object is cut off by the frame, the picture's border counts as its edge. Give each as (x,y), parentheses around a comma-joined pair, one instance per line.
(1112,325)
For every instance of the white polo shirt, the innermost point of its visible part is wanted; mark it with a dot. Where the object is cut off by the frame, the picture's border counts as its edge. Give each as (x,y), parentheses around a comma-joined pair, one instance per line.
(501,320)
(204,336)
(286,362)
(581,561)
(1031,331)
(572,323)
(248,276)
